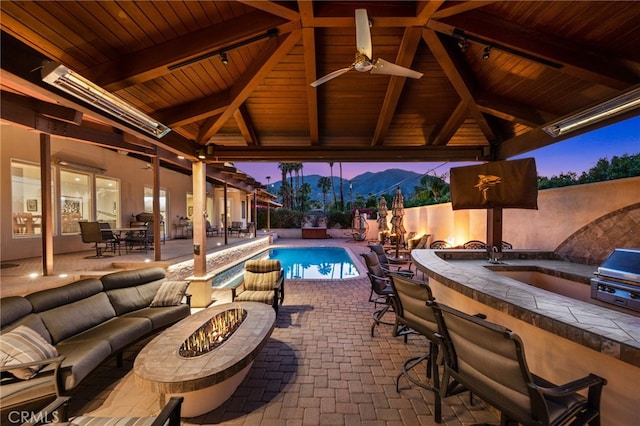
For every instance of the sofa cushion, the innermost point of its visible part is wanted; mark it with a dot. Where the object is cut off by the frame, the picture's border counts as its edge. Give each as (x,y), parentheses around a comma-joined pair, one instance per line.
(13,308)
(133,298)
(69,320)
(22,345)
(162,316)
(118,331)
(170,293)
(81,358)
(132,278)
(54,297)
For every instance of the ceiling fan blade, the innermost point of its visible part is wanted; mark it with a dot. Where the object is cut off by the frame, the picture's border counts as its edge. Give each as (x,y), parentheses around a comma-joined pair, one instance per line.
(384,67)
(331,76)
(363,33)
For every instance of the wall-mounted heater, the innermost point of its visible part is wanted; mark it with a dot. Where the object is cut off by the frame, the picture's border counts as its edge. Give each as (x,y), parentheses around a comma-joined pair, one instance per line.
(64,79)
(616,106)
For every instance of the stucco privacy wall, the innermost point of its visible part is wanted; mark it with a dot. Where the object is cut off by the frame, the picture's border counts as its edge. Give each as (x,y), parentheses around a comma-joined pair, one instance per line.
(561,212)
(17,143)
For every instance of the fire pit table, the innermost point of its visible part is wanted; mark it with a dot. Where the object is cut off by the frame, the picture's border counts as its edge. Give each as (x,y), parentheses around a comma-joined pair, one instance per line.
(205,357)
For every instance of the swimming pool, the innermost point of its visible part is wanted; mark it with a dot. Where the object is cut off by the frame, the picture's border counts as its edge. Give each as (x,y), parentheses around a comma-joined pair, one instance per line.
(306,263)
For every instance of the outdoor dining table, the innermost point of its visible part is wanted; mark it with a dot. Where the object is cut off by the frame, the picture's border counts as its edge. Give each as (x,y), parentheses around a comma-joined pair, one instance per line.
(141,231)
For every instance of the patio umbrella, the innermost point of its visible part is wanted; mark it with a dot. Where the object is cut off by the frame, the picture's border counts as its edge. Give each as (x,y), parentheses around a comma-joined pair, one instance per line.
(397,212)
(383,227)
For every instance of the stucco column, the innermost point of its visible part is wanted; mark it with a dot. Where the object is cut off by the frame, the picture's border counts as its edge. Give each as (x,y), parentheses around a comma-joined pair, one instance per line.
(200,282)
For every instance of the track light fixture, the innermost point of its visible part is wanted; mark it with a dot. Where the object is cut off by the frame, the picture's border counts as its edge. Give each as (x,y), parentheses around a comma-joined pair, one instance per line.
(273,32)
(462,44)
(486,53)
(463,39)
(223,58)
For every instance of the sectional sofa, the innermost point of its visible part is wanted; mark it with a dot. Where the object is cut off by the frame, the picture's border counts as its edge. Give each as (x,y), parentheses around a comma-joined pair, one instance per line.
(70,330)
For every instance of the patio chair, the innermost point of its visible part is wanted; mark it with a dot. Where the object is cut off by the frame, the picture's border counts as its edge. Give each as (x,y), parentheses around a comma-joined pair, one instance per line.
(142,238)
(92,233)
(439,244)
(210,230)
(413,316)
(489,360)
(263,282)
(475,245)
(169,416)
(391,264)
(111,240)
(381,287)
(19,395)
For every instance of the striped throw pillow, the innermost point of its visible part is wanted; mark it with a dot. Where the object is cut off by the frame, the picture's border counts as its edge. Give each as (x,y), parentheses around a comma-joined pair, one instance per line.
(22,345)
(170,293)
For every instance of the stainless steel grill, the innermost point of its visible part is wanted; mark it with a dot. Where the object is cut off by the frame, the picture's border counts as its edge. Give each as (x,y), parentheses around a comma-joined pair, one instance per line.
(618,279)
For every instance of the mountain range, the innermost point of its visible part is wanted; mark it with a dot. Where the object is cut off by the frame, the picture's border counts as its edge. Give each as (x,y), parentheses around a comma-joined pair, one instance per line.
(366,184)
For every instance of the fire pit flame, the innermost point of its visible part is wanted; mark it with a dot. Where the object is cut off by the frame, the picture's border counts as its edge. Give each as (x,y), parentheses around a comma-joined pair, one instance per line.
(212,333)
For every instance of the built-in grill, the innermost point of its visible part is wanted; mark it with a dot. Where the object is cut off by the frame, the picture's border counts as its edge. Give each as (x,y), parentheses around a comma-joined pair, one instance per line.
(618,279)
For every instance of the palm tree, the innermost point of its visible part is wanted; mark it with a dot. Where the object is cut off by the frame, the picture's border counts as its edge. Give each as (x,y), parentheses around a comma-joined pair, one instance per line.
(305,190)
(333,187)
(341,190)
(284,168)
(324,183)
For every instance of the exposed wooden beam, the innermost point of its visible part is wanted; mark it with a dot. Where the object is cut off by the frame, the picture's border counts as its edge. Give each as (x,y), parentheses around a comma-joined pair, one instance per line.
(246,127)
(308,40)
(273,8)
(454,8)
(263,64)
(512,111)
(355,154)
(451,126)
(147,64)
(426,8)
(460,80)
(406,53)
(198,109)
(577,61)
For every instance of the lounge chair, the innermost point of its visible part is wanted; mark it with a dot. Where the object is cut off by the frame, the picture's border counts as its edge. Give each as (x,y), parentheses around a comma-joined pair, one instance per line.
(263,282)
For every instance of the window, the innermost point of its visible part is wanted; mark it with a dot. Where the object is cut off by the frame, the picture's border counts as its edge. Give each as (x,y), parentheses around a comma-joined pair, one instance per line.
(243,208)
(108,201)
(26,201)
(148,205)
(75,200)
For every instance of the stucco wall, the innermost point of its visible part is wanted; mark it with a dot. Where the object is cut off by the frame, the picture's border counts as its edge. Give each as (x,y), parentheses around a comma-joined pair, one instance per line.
(24,145)
(561,213)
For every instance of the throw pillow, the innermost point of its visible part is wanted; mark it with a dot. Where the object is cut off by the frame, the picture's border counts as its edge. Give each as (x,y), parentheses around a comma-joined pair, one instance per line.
(22,345)
(170,293)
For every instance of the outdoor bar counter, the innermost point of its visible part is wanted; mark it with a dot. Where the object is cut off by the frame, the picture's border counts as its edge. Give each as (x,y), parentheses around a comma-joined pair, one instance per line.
(565,338)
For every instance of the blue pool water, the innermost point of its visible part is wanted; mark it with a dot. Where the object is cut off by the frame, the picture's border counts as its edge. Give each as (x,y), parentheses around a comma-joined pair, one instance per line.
(328,263)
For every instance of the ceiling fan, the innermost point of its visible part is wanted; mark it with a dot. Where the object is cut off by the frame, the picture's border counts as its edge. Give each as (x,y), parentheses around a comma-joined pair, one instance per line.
(363,60)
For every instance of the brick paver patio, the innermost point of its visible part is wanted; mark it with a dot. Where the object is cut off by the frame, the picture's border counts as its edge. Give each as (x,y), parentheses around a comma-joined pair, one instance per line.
(320,367)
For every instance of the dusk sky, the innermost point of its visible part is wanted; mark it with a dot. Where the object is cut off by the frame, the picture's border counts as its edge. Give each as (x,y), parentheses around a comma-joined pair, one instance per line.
(576,154)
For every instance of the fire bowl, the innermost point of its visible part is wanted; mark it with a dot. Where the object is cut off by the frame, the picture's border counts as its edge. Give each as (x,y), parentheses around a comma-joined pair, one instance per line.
(207,378)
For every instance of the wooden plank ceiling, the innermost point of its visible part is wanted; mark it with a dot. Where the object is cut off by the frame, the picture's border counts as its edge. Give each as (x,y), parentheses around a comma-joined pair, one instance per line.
(547,60)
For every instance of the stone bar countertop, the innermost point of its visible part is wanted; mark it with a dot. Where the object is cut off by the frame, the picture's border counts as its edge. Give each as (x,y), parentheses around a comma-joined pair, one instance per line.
(601,328)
